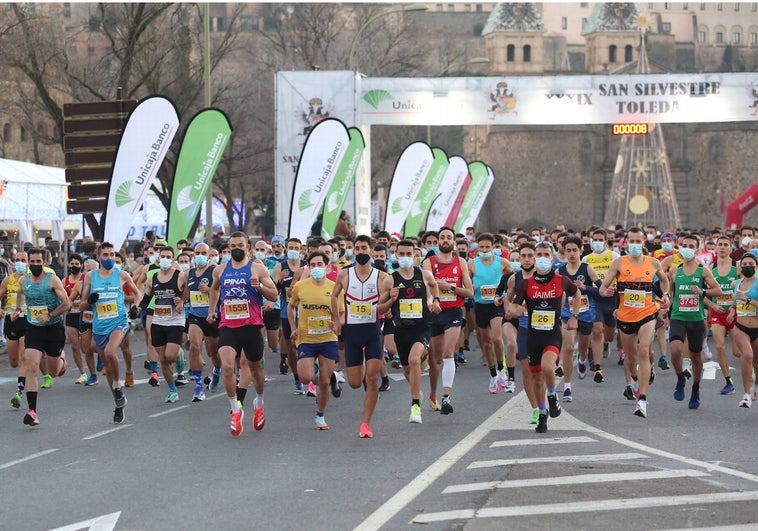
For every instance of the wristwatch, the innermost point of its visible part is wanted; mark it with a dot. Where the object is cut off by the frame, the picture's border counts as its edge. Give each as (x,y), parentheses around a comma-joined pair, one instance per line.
(436,299)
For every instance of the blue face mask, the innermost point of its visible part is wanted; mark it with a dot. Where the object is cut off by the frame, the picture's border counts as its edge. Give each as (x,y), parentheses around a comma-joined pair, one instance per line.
(497,251)
(318,273)
(486,255)
(260,255)
(598,247)
(184,267)
(687,254)
(667,247)
(635,249)
(214,259)
(405,262)
(293,256)
(165,264)
(543,264)
(348,253)
(473,245)
(434,248)
(201,260)
(516,266)
(107,263)
(20,268)
(225,258)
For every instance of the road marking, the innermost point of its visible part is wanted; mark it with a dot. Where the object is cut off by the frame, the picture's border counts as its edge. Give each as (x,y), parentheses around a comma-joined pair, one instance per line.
(105,432)
(434,471)
(537,442)
(738,527)
(8,379)
(579,479)
(106,522)
(583,506)
(27,458)
(557,459)
(167,411)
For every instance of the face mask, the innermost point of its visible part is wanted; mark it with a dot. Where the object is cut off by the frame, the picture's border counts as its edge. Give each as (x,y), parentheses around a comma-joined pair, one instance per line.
(154,257)
(687,254)
(293,256)
(36,270)
(473,245)
(117,268)
(598,247)
(184,267)
(107,263)
(260,255)
(20,268)
(201,260)
(333,259)
(746,241)
(516,266)
(2,251)
(497,251)
(238,255)
(463,254)
(225,258)
(362,259)
(165,263)
(405,262)
(486,255)
(380,265)
(747,271)
(75,270)
(543,264)
(667,247)
(318,273)
(348,253)
(214,259)
(650,237)
(278,256)
(635,249)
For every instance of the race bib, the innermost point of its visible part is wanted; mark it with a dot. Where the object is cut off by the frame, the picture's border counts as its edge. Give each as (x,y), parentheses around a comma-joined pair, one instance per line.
(448,296)
(488,292)
(12,300)
(361,312)
(198,299)
(725,300)
(35,312)
(162,310)
(410,309)
(634,298)
(745,310)
(236,309)
(106,310)
(543,320)
(318,324)
(87,316)
(689,302)
(584,303)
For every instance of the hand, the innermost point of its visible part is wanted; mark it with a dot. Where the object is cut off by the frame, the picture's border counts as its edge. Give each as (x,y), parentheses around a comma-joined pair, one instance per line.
(498,301)
(203,288)
(268,306)
(255,281)
(720,309)
(435,307)
(665,303)
(2,313)
(336,327)
(576,323)
(444,286)
(133,312)
(93,297)
(211,317)
(293,335)
(394,293)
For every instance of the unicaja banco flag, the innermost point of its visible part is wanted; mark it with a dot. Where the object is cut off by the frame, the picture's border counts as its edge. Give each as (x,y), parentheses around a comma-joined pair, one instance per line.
(144,143)
(342,182)
(475,195)
(205,140)
(453,182)
(429,190)
(320,162)
(411,170)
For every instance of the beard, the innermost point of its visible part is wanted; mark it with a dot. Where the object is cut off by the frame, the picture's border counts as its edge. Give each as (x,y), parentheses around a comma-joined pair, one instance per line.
(446,247)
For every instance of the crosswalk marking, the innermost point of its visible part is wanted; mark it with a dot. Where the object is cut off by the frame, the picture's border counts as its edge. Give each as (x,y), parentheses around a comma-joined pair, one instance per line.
(537,442)
(558,459)
(583,506)
(574,480)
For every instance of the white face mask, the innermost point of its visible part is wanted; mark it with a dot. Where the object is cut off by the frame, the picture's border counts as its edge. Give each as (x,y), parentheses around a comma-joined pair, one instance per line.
(746,241)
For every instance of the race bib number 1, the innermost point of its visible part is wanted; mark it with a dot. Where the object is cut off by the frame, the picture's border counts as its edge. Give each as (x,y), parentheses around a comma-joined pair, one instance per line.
(410,309)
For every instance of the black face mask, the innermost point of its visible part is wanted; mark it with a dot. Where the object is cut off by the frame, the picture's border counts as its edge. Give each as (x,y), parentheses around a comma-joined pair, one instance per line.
(381,265)
(463,254)
(362,259)
(747,271)
(238,255)
(75,270)
(36,270)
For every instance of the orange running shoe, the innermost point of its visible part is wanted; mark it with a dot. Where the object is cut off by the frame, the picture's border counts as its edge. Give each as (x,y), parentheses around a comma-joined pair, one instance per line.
(365,431)
(237,428)
(259,419)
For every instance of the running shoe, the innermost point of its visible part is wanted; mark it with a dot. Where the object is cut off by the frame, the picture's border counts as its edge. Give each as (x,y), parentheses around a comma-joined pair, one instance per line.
(746,401)
(236,427)
(447,407)
(64,365)
(364,432)
(299,388)
(321,423)
(181,380)
(82,380)
(494,386)
(567,395)
(707,355)
(636,388)
(385,386)
(335,386)
(581,370)
(154,381)
(641,409)
(511,387)
(559,371)
(535,416)
(663,363)
(461,358)
(541,423)
(47,382)
(118,415)
(728,389)
(206,380)
(465,344)
(434,405)
(629,392)
(259,419)
(395,362)
(283,367)
(687,373)
(16,400)
(652,376)
(621,357)
(118,397)
(146,365)
(92,380)
(694,399)
(415,417)
(340,376)
(129,379)
(100,366)
(679,389)
(599,376)
(502,379)
(312,390)
(172,397)
(215,379)
(31,418)
(553,405)
(199,396)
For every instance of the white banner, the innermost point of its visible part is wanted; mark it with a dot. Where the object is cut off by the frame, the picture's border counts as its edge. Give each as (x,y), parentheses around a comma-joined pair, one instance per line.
(455,177)
(322,154)
(303,99)
(476,208)
(559,100)
(410,172)
(147,136)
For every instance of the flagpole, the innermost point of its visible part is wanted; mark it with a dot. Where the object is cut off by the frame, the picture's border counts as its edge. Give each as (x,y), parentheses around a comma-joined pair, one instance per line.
(207,87)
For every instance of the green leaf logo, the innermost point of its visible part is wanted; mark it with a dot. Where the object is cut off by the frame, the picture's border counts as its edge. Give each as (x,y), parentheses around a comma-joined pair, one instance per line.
(397,205)
(123,195)
(184,199)
(376,96)
(304,201)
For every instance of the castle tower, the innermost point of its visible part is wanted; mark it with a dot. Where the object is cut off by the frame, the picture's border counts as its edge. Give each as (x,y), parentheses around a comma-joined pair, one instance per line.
(611,35)
(513,37)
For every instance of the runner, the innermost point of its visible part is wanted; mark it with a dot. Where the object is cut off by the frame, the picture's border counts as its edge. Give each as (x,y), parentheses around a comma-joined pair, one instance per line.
(15,323)
(86,317)
(284,273)
(74,278)
(726,275)
(605,307)
(271,310)
(745,332)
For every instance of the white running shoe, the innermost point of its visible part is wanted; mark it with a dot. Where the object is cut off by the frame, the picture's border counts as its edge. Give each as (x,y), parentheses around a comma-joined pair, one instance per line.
(746,401)
(502,379)
(494,385)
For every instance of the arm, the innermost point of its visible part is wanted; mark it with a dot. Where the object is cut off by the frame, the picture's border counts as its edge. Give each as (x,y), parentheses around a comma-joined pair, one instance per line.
(605,289)
(291,314)
(467,290)
(336,293)
(213,295)
(665,284)
(57,286)
(3,290)
(387,294)
(432,289)
(713,289)
(83,304)
(267,286)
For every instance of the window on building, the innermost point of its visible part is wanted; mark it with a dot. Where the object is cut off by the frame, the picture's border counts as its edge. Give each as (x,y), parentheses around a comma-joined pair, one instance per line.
(754,6)
(439,7)
(527,53)
(94,23)
(685,7)
(451,7)
(666,27)
(41,130)
(719,37)
(701,36)
(736,37)
(478,8)
(467,7)
(628,50)
(23,134)
(564,22)
(91,51)
(72,50)
(510,53)
(582,4)
(754,38)
(650,5)
(66,9)
(7,133)
(702,7)
(666,5)
(220,23)
(612,53)
(736,6)
(719,6)
(584,22)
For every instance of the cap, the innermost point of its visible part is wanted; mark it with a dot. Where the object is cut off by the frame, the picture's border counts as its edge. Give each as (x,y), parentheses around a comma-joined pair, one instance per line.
(396,235)
(669,235)
(160,243)
(277,239)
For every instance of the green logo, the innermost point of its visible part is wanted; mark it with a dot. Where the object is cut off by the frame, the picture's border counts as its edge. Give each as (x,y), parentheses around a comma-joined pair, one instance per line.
(376,96)
(184,199)
(397,205)
(304,201)
(123,195)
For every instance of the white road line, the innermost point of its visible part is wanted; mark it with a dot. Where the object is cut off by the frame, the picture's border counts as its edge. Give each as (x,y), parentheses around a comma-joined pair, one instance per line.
(27,458)
(106,522)
(557,459)
(167,412)
(578,479)
(537,442)
(583,506)
(105,432)
(434,471)
(738,527)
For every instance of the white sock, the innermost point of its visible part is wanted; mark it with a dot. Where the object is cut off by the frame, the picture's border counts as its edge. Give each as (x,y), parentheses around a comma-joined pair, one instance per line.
(233,403)
(567,386)
(258,402)
(448,372)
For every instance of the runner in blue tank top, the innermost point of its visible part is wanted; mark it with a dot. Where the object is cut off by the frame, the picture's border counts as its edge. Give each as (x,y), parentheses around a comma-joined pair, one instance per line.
(283,275)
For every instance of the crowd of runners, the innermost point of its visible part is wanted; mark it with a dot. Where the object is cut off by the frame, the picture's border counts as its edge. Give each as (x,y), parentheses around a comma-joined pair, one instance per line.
(346,309)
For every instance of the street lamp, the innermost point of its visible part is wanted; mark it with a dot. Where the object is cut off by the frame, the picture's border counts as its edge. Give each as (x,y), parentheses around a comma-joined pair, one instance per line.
(405,9)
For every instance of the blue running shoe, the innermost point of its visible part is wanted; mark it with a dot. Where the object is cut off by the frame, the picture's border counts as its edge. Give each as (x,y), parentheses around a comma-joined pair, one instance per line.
(679,389)
(694,399)
(99,364)
(728,389)
(581,369)
(92,380)
(215,378)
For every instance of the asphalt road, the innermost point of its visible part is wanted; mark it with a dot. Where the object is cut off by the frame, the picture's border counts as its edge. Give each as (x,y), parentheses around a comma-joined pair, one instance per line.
(175,466)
